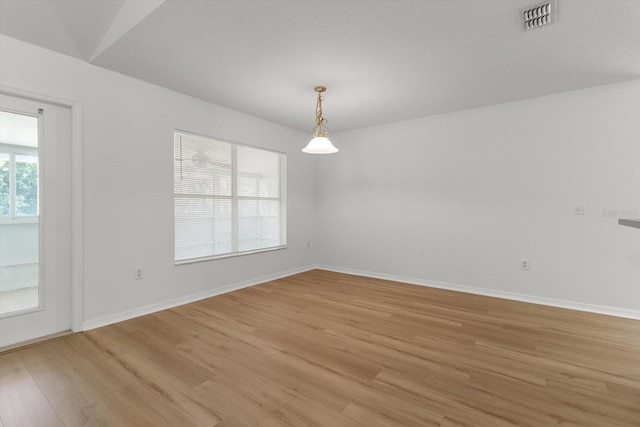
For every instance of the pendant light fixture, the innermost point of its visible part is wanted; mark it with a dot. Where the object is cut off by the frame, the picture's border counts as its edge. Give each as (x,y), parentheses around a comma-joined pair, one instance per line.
(320,143)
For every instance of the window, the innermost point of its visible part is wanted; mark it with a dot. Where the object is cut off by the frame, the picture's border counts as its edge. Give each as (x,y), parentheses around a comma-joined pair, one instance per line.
(18,184)
(229,198)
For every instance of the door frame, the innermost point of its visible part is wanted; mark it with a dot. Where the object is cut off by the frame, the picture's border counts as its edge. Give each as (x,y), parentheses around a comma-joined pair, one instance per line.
(77,206)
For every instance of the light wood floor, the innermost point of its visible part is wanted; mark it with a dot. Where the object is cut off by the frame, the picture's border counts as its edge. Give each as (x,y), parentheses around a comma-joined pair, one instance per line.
(330,349)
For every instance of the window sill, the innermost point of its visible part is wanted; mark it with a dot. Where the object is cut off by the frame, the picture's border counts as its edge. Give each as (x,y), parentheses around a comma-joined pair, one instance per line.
(231,255)
(19,220)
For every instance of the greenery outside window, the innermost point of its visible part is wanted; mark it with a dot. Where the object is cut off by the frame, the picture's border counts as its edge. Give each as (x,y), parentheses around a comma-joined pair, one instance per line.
(18,184)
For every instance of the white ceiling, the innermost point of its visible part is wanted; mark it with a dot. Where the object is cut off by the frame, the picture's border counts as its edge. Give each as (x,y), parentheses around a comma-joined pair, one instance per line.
(382,61)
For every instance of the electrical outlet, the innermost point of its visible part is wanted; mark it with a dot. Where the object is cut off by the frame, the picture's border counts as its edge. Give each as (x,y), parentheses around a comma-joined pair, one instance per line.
(524,264)
(138,273)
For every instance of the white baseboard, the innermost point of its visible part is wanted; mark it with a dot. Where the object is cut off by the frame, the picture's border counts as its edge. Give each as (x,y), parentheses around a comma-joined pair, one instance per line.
(591,308)
(152,308)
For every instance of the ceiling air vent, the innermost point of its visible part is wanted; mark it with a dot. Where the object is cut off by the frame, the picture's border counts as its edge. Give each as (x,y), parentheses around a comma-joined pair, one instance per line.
(540,15)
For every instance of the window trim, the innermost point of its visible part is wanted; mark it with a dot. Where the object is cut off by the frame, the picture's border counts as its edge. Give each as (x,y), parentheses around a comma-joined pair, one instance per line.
(234,202)
(229,255)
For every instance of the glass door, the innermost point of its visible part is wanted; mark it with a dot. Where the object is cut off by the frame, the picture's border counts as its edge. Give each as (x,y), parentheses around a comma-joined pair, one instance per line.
(35,225)
(19,218)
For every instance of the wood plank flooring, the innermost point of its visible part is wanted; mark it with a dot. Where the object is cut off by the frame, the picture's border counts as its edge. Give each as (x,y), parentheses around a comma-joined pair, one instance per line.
(329,349)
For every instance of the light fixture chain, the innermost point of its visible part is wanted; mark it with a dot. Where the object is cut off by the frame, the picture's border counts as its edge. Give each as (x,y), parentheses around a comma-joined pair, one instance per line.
(320,144)
(319,118)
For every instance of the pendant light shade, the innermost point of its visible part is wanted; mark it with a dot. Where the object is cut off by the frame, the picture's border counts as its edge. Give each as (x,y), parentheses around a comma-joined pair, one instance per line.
(320,143)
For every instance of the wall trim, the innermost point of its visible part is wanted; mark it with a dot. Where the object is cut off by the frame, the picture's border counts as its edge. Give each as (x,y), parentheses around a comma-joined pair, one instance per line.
(164,305)
(571,305)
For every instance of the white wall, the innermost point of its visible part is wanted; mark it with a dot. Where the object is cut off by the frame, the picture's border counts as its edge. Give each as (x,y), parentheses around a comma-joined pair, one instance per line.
(128,181)
(461,198)
(457,198)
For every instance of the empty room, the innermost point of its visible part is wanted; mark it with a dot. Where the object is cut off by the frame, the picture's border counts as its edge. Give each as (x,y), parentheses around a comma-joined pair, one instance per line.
(361,213)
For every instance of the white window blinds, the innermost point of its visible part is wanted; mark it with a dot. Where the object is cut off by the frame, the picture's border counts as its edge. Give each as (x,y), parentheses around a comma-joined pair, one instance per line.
(229,198)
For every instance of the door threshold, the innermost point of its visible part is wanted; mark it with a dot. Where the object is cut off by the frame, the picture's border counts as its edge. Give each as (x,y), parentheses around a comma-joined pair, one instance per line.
(35,341)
